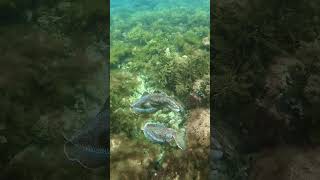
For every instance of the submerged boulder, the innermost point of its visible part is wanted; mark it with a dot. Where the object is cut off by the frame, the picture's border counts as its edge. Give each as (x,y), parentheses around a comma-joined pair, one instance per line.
(198,129)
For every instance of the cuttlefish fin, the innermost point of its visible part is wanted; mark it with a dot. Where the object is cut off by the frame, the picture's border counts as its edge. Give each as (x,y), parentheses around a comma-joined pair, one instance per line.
(144,110)
(87,147)
(89,158)
(179,138)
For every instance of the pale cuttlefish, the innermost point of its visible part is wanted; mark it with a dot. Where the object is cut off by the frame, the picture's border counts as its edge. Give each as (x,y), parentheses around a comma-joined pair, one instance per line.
(150,103)
(89,146)
(159,133)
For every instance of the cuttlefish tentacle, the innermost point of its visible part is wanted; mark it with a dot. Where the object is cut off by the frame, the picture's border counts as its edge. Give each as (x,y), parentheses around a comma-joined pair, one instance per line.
(142,105)
(179,139)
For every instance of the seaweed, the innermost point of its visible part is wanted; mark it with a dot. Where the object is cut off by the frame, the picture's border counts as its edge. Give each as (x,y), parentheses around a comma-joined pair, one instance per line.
(266,57)
(39,77)
(166,57)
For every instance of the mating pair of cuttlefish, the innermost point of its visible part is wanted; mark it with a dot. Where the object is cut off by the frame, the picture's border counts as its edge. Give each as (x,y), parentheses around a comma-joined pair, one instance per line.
(157,132)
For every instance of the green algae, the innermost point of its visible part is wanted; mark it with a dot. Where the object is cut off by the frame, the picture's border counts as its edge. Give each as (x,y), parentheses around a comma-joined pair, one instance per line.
(148,50)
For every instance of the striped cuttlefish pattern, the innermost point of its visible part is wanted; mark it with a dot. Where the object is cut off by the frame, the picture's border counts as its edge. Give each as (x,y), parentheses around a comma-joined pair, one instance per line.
(89,146)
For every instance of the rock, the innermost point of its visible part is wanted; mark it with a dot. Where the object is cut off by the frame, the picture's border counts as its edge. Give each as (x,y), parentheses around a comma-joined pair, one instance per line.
(198,129)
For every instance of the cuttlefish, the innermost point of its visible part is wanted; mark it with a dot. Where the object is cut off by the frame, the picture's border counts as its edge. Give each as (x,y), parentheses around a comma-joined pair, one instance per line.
(90,145)
(159,133)
(150,103)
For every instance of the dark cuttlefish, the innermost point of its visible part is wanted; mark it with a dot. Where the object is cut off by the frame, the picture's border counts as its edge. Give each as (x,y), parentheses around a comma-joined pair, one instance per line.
(159,133)
(150,103)
(89,146)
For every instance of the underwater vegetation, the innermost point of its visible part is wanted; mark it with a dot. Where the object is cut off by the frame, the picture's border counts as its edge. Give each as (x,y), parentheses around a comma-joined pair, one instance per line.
(159,61)
(168,51)
(40,79)
(124,83)
(260,53)
(265,71)
(51,83)
(160,53)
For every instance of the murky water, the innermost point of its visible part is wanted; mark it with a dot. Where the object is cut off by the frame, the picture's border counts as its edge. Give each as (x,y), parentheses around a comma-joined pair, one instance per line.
(52,85)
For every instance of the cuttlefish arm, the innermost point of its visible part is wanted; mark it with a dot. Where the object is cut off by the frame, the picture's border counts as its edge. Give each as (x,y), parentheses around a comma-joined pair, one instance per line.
(180,140)
(142,106)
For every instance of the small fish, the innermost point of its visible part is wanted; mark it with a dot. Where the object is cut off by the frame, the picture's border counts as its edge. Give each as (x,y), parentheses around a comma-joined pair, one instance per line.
(89,147)
(150,103)
(159,133)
